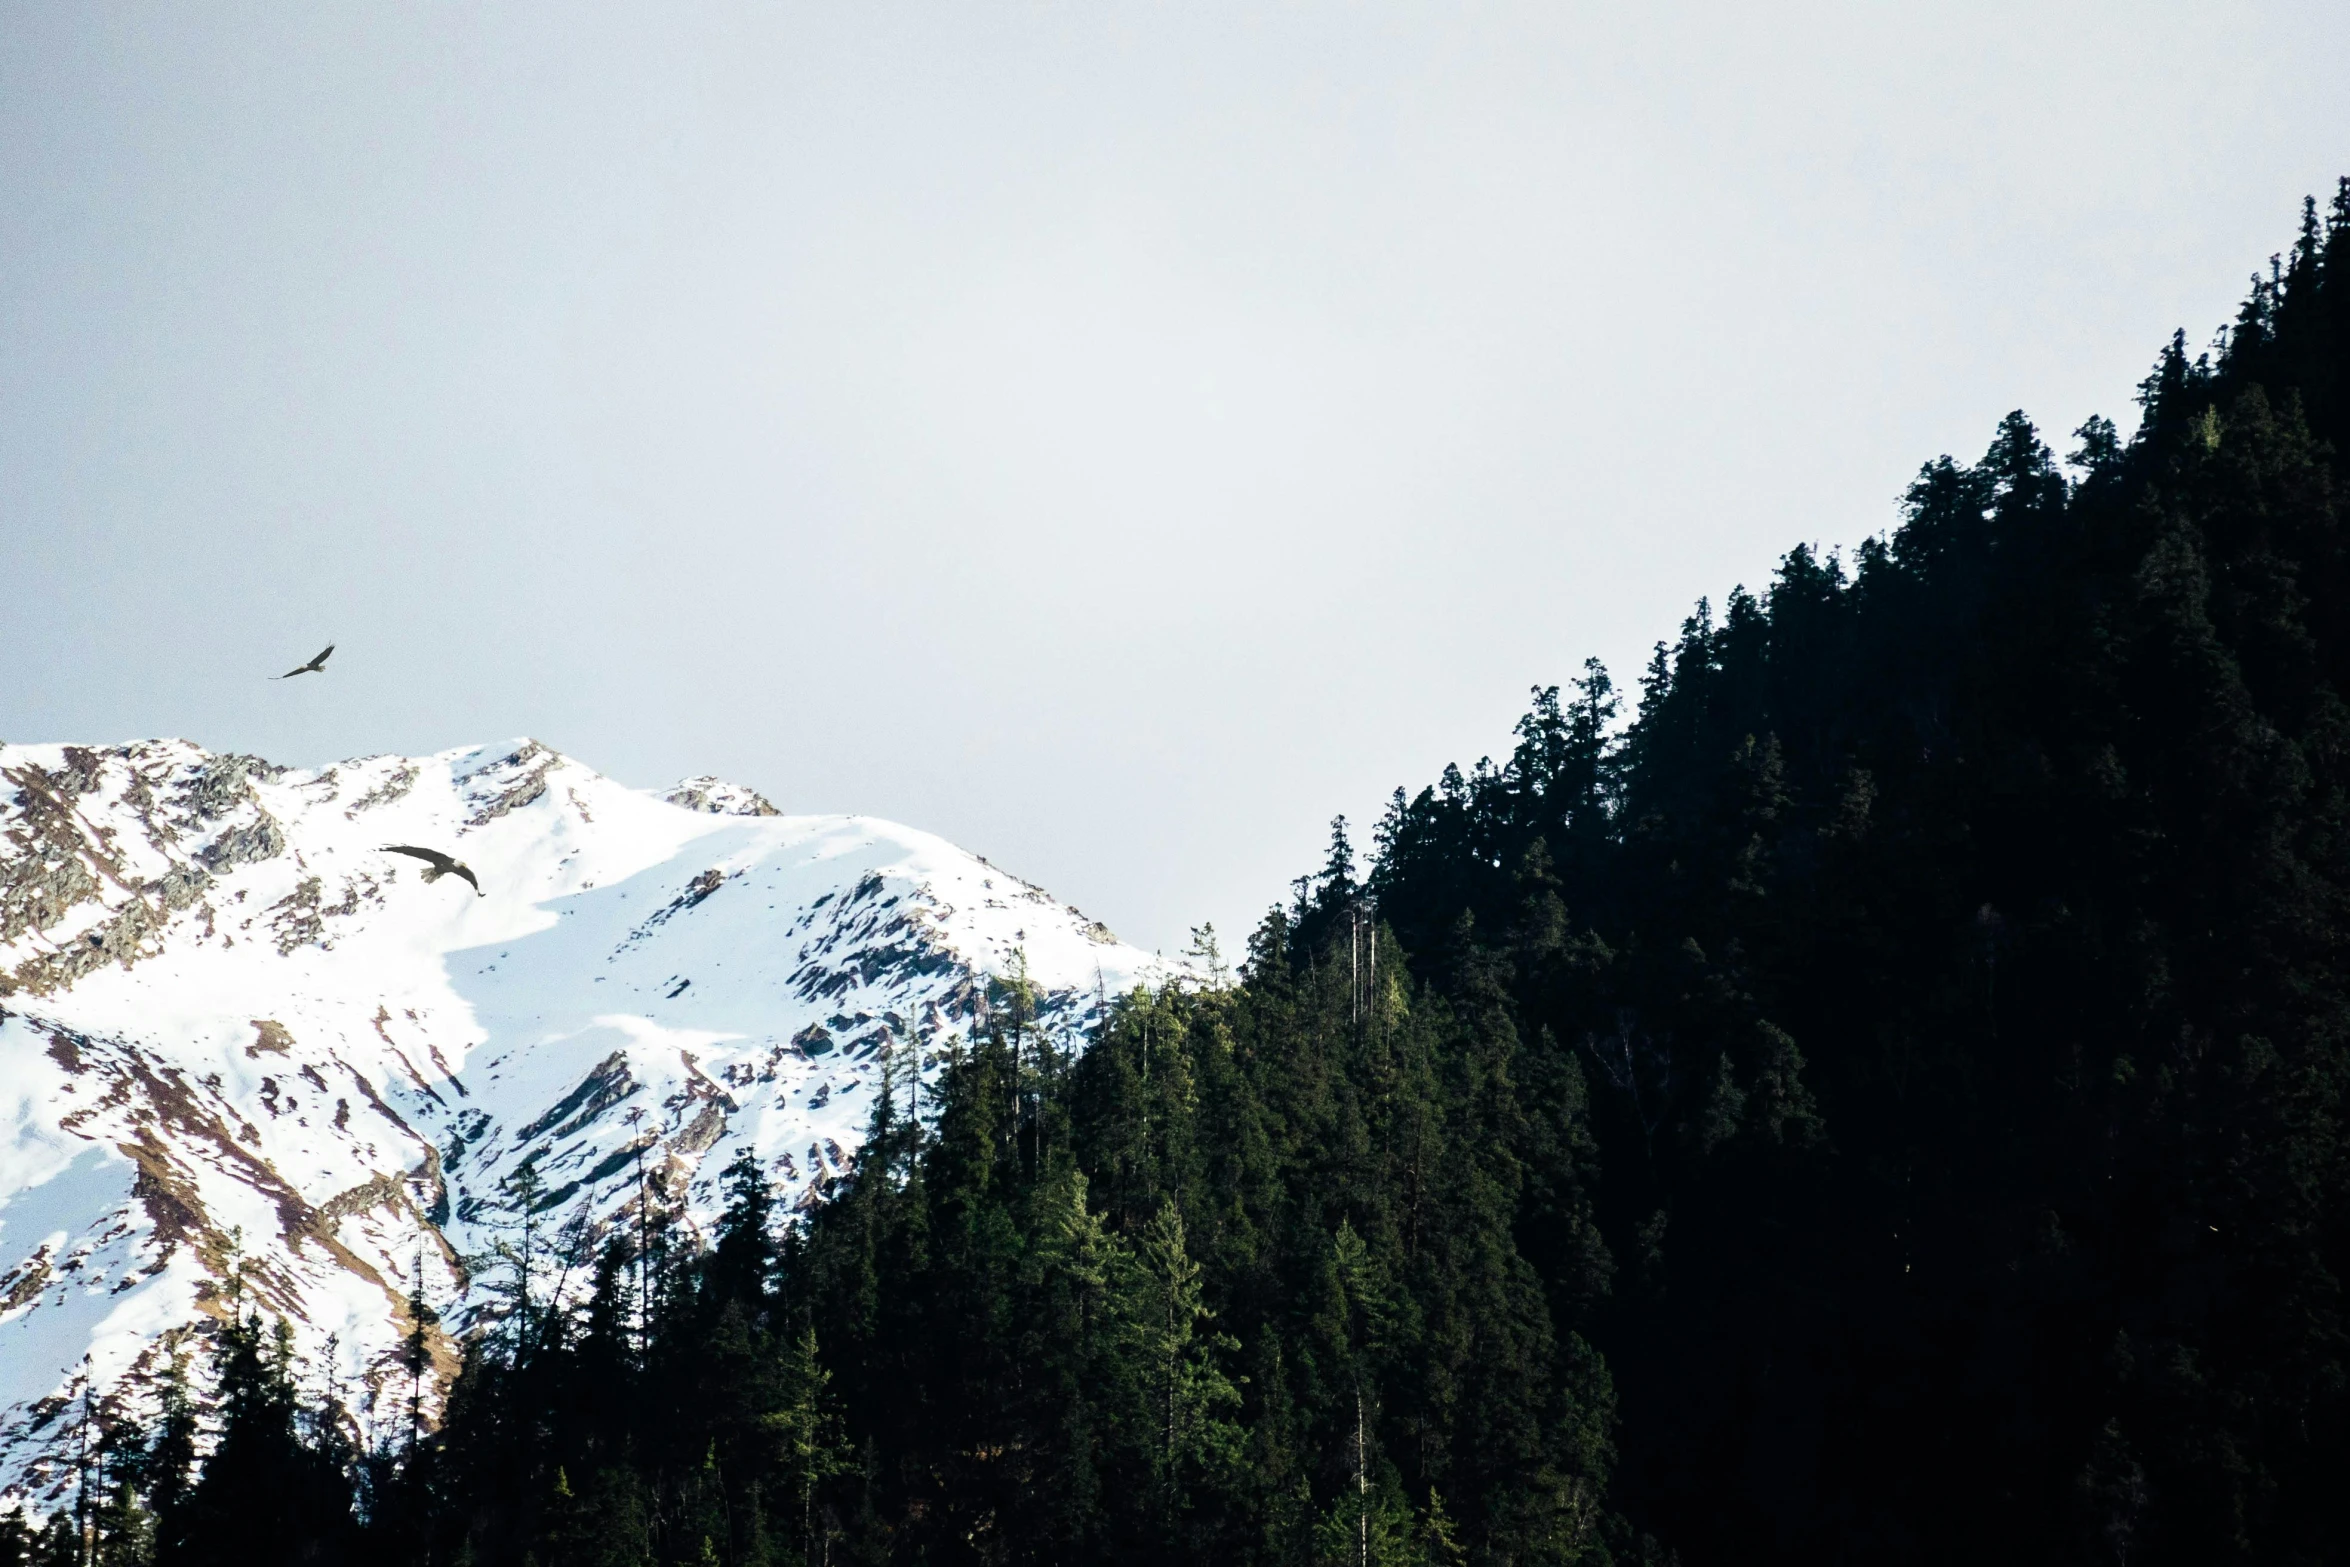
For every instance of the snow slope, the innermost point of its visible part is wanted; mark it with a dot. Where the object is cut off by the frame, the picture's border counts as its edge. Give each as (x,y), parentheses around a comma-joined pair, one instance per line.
(233,1027)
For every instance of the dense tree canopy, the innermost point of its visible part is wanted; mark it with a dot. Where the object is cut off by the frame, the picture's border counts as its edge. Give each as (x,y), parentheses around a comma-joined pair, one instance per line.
(1957,938)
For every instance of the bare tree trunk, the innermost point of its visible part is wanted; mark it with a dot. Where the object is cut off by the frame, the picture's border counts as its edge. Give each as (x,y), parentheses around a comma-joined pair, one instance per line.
(85,1527)
(1362,1488)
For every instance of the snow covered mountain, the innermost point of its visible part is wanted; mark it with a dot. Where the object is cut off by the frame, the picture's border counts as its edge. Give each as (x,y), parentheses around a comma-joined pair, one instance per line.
(233,1026)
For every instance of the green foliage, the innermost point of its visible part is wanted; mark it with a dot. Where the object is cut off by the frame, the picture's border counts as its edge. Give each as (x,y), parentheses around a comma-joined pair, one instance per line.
(1181,1297)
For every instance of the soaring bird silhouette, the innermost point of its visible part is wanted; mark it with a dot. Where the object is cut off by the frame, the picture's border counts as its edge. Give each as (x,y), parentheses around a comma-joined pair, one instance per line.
(437,863)
(315,666)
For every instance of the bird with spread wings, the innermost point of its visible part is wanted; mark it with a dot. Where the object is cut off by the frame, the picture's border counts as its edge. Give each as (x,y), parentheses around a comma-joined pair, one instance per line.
(314,667)
(437,865)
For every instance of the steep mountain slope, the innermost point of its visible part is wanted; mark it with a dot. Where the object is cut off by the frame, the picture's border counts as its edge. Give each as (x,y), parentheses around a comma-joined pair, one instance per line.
(238,1039)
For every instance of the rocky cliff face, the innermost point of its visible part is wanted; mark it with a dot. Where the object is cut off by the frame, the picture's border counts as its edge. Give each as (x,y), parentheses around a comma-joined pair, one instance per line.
(237,1038)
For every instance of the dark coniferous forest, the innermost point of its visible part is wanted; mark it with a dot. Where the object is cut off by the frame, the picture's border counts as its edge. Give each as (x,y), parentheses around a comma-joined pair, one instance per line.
(1872,1093)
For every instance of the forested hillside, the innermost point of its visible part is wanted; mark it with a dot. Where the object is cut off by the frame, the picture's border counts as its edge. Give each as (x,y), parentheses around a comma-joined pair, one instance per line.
(1879,1099)
(1956,947)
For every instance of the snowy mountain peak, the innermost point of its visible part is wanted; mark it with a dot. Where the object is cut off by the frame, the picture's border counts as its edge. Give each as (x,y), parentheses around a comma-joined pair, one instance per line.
(237,1034)
(719,798)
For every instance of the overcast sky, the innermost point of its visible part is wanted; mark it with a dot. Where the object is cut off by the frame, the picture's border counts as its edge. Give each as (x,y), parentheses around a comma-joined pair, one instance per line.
(1116,437)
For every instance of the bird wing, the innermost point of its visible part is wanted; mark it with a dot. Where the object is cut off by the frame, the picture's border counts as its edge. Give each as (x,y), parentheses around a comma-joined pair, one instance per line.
(432,857)
(466,871)
(320,661)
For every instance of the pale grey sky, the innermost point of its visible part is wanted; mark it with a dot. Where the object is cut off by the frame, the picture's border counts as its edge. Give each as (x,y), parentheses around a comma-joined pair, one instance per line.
(1116,437)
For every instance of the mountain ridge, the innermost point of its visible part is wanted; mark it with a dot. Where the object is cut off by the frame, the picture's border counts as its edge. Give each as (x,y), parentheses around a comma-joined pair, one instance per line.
(243,1048)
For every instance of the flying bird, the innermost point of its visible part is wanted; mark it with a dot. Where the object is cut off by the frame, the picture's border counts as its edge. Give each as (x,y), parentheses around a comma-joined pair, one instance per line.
(315,666)
(437,863)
